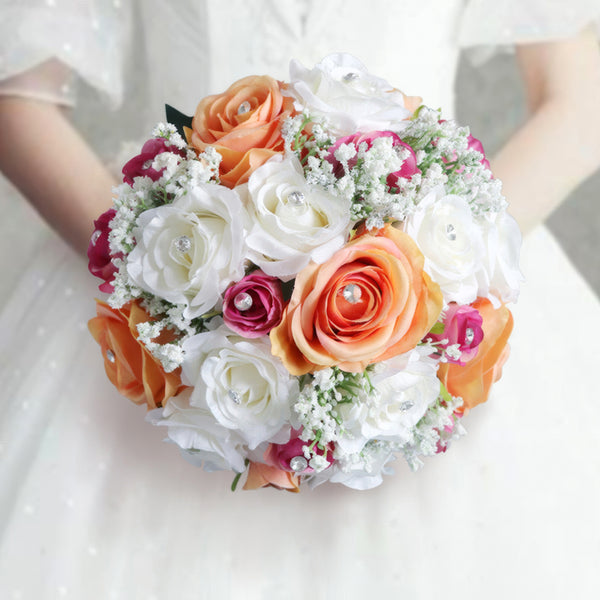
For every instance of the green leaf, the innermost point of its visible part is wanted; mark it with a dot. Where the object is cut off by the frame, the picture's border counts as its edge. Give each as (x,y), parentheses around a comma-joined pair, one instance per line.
(445,395)
(438,328)
(178,119)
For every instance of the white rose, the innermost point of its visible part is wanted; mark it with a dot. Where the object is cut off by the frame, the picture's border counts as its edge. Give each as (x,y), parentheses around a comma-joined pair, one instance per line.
(188,252)
(341,89)
(405,388)
(451,242)
(245,388)
(195,431)
(292,223)
(501,274)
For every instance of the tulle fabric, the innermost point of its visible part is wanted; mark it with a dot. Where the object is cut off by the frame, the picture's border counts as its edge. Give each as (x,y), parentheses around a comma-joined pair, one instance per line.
(89,37)
(94,505)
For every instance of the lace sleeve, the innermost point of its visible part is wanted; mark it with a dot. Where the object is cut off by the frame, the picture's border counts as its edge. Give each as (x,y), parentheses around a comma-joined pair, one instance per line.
(489,25)
(44,43)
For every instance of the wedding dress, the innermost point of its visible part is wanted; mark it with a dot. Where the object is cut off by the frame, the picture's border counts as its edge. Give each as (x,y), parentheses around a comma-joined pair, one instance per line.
(94,506)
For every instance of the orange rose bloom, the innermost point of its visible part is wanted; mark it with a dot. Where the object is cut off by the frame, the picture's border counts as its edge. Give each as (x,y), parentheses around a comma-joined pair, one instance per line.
(394,304)
(243,124)
(472,382)
(261,475)
(135,373)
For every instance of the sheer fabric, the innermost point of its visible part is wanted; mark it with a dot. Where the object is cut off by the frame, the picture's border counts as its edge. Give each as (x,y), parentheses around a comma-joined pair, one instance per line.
(88,36)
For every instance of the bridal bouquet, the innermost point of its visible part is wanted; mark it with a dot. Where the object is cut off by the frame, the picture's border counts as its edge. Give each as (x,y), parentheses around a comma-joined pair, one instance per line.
(307,279)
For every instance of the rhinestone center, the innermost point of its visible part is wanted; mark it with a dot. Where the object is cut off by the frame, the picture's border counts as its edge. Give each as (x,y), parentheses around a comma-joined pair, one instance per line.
(298,464)
(95,236)
(182,244)
(244,107)
(450,232)
(243,301)
(348,77)
(295,198)
(110,355)
(406,405)
(352,293)
(234,396)
(469,335)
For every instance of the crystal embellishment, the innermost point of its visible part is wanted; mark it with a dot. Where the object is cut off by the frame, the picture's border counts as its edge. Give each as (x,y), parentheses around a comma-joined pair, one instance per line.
(110,355)
(182,244)
(406,405)
(295,198)
(469,335)
(298,464)
(451,232)
(352,293)
(244,107)
(243,301)
(348,77)
(234,396)
(95,236)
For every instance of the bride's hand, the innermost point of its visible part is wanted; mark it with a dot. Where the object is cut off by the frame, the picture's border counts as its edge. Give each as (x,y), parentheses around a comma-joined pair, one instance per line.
(52,166)
(559,144)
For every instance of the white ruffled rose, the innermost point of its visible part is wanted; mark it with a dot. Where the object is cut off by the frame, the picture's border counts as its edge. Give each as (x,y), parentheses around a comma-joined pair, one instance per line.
(188,252)
(203,440)
(405,388)
(341,89)
(501,275)
(292,222)
(245,388)
(452,243)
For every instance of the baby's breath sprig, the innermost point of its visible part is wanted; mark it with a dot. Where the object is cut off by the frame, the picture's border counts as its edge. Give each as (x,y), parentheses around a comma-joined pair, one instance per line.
(321,392)
(434,432)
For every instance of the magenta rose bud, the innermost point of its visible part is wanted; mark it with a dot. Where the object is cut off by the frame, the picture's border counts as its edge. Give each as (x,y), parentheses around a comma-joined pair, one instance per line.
(462,331)
(407,170)
(100,259)
(290,456)
(475,144)
(141,165)
(253,305)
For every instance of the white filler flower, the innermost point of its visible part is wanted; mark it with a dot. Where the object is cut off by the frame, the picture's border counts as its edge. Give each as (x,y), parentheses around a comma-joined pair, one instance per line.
(352,100)
(241,383)
(292,222)
(188,252)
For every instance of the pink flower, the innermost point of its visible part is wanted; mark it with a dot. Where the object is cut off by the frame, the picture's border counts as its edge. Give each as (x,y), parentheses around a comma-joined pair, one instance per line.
(446,435)
(407,170)
(100,259)
(141,165)
(475,144)
(253,305)
(463,329)
(290,456)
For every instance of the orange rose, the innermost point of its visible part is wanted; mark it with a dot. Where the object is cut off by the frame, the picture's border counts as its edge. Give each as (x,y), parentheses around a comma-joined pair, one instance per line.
(243,124)
(135,373)
(472,382)
(392,305)
(261,475)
